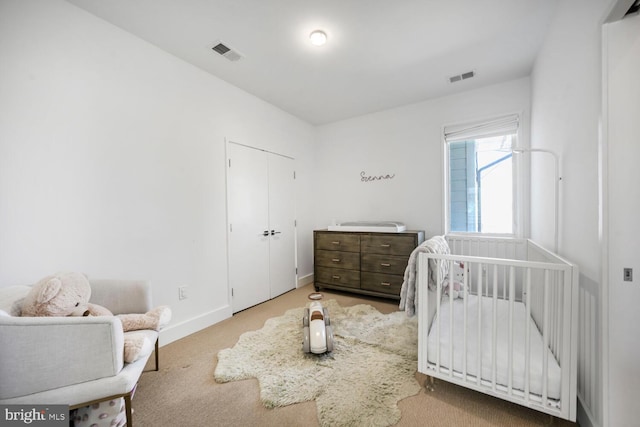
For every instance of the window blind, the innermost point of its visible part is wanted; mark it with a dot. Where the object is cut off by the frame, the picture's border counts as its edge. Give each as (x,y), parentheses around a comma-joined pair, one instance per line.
(503,125)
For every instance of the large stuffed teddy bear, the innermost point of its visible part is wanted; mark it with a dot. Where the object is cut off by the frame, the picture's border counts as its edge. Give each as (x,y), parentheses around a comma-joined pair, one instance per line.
(68,293)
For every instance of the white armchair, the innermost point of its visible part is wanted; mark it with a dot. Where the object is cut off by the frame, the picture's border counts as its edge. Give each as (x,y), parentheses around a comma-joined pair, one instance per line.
(77,361)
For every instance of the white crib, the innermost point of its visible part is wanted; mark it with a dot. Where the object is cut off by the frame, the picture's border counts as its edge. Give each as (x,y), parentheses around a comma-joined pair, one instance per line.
(513,334)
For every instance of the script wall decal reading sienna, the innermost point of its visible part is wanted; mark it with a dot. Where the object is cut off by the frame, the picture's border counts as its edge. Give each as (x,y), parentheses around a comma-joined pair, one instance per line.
(369,178)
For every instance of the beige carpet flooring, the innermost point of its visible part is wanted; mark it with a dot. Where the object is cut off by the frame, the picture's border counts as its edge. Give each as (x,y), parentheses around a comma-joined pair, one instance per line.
(184,393)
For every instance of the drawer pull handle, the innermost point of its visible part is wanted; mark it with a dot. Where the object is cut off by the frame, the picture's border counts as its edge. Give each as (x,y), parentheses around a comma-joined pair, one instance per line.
(336,260)
(385,264)
(335,277)
(385,245)
(335,243)
(385,283)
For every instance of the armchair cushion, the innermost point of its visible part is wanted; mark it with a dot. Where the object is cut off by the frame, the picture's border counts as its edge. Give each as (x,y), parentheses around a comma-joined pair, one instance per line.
(121,296)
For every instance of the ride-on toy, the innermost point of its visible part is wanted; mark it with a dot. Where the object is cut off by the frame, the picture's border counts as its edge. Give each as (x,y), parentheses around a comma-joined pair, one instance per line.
(318,333)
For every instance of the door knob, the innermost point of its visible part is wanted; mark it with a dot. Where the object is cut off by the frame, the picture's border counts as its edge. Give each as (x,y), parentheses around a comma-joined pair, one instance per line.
(275,232)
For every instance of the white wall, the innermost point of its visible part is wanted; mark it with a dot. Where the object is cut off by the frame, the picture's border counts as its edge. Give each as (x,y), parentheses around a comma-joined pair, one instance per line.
(622,65)
(112,159)
(565,118)
(405,142)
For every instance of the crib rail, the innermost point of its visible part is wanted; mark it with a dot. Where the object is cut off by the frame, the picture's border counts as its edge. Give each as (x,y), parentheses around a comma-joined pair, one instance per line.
(518,315)
(487,246)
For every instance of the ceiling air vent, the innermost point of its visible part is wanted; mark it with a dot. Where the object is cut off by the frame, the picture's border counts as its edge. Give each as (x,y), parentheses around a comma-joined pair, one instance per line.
(463,76)
(228,52)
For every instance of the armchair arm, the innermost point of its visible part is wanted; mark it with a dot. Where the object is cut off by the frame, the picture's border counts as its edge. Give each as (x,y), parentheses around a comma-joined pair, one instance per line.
(122,296)
(44,353)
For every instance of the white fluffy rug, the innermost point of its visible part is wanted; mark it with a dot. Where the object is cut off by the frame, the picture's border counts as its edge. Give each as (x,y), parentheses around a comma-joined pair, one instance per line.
(372,367)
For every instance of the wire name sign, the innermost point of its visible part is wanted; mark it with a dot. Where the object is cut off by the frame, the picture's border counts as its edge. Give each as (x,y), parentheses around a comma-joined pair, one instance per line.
(370,178)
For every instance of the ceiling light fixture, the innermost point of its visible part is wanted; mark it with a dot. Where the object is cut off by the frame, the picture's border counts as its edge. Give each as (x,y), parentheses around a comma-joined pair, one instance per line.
(318,38)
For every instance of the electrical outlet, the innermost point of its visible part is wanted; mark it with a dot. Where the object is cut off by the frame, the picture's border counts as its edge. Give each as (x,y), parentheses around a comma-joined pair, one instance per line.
(628,275)
(182,292)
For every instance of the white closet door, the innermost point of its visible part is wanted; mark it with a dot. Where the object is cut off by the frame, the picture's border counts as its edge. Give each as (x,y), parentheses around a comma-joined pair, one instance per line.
(282,275)
(261,230)
(248,207)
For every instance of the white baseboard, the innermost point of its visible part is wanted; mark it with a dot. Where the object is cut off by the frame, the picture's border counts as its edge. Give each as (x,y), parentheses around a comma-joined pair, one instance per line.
(305,280)
(180,330)
(188,327)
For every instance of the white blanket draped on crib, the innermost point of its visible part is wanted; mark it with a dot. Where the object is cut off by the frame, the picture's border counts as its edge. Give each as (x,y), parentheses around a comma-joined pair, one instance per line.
(409,291)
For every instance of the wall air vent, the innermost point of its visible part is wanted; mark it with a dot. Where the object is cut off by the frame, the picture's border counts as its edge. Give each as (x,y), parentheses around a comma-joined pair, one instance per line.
(463,76)
(228,52)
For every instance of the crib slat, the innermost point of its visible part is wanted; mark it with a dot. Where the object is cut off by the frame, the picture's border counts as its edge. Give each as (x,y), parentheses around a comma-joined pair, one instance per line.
(479,338)
(451,324)
(560,315)
(504,283)
(545,339)
(592,348)
(584,359)
(465,305)
(438,300)
(494,333)
(512,290)
(569,376)
(554,314)
(527,339)
(423,323)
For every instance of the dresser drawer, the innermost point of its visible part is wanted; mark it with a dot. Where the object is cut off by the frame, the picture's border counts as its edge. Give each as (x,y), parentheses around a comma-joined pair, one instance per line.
(338,276)
(338,242)
(392,244)
(385,283)
(388,264)
(337,259)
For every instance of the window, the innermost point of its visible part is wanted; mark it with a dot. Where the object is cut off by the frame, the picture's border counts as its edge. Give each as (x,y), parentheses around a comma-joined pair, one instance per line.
(481,184)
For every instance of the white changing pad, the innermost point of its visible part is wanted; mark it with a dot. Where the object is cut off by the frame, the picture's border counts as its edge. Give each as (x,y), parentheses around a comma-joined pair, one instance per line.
(365,226)
(519,321)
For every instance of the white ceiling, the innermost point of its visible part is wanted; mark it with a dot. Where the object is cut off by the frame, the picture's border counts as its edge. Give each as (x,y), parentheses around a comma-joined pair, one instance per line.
(380,53)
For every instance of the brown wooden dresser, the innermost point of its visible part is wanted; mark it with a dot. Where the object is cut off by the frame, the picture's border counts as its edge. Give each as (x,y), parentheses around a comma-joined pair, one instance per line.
(363,262)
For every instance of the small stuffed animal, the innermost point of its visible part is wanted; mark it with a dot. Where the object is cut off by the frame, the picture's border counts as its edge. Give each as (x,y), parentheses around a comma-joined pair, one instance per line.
(68,293)
(456,292)
(458,273)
